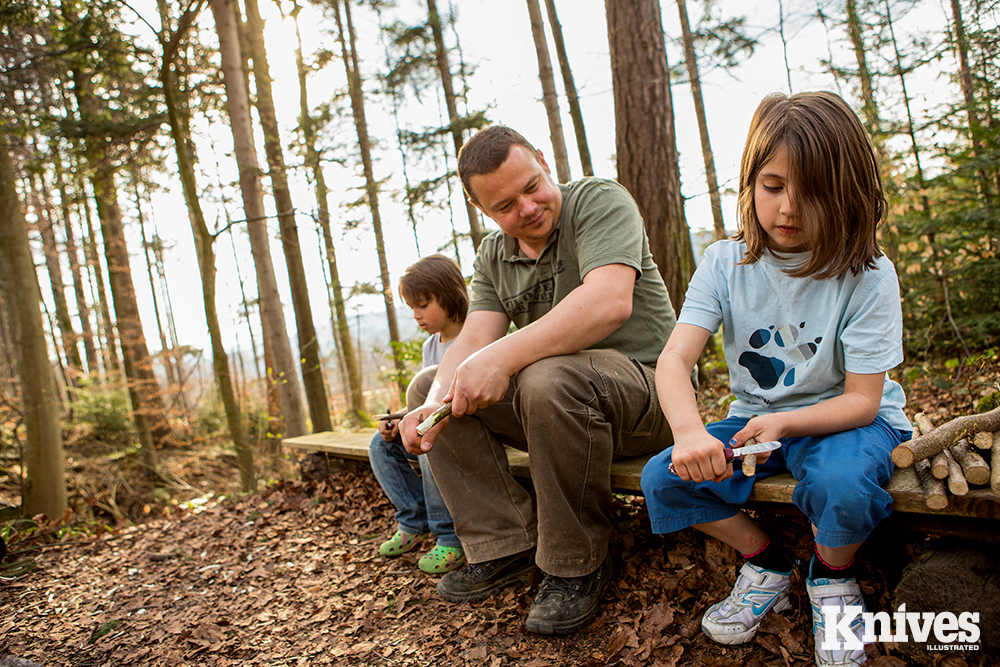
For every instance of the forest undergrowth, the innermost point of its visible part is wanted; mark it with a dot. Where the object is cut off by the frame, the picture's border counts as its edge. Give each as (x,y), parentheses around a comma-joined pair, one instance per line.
(182,569)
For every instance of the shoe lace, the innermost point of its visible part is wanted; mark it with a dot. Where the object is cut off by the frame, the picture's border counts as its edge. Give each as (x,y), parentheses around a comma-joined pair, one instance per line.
(553,585)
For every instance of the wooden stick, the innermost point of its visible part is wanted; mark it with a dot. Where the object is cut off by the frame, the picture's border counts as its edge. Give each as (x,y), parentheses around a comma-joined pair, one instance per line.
(386,417)
(935,496)
(924,423)
(750,460)
(984,440)
(995,462)
(976,470)
(435,417)
(939,465)
(929,444)
(957,483)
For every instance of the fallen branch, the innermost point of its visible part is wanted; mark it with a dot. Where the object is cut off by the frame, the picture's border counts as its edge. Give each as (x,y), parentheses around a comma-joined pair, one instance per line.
(927,445)
(983,439)
(935,493)
(939,465)
(957,483)
(976,470)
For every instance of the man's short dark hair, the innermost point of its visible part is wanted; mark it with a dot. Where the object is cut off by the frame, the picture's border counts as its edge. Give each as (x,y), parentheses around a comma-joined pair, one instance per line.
(485,152)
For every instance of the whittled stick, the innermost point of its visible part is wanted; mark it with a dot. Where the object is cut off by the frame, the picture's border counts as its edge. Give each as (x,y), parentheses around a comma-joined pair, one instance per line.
(976,470)
(435,417)
(750,460)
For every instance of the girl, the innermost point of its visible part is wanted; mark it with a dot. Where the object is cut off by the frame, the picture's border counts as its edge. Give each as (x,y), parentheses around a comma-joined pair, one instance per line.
(811,320)
(435,289)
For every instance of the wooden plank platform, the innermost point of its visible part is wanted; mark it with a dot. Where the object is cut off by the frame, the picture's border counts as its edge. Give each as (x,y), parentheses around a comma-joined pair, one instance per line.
(906,494)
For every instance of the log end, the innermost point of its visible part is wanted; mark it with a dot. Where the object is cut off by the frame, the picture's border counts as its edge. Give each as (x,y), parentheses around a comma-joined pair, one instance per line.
(937,502)
(902,456)
(979,475)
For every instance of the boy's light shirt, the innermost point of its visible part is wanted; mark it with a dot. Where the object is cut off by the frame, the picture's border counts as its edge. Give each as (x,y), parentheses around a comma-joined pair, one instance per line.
(788,341)
(432,350)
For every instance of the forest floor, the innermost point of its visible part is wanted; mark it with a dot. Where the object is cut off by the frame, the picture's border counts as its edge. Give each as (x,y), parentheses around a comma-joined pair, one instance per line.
(290,575)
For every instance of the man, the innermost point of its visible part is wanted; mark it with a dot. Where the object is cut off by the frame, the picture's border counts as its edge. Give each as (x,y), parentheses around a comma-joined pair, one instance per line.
(573,385)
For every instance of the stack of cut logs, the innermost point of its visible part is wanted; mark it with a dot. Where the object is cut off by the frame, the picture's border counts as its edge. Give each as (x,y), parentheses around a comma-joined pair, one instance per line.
(951,457)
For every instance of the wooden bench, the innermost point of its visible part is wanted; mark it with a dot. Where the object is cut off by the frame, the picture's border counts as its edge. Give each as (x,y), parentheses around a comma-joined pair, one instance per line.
(976,514)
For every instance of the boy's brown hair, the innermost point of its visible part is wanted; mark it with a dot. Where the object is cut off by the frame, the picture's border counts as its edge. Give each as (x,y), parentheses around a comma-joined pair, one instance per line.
(833,174)
(485,152)
(437,277)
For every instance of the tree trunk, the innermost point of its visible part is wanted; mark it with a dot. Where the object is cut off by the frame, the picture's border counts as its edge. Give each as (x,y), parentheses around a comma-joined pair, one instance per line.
(166,353)
(68,338)
(869,108)
(315,166)
(44,462)
(147,402)
(571,97)
(444,70)
(965,79)
(371,186)
(644,137)
(204,243)
(86,331)
(309,354)
(549,97)
(699,107)
(110,350)
(253,204)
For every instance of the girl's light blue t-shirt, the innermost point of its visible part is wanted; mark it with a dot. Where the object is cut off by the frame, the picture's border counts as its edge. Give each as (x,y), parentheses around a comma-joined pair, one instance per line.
(789,341)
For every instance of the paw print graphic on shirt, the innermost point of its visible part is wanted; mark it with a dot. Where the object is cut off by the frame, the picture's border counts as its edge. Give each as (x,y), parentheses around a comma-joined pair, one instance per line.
(784,344)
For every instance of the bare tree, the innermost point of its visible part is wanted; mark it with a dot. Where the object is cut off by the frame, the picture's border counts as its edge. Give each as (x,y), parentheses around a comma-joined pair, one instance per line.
(444,70)
(44,461)
(307,125)
(691,60)
(350,57)
(309,354)
(549,97)
(571,97)
(271,313)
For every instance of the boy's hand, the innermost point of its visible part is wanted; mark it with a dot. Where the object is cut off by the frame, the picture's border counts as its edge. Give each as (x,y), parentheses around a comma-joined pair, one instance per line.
(388,429)
(700,458)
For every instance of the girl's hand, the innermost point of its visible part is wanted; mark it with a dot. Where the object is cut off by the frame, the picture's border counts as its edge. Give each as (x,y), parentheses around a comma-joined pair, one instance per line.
(762,429)
(700,457)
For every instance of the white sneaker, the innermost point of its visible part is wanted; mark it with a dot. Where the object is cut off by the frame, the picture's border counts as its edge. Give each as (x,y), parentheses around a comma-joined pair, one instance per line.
(836,595)
(757,591)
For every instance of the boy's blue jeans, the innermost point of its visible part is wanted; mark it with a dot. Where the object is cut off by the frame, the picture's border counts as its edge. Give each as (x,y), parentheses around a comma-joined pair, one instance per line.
(840,479)
(419,505)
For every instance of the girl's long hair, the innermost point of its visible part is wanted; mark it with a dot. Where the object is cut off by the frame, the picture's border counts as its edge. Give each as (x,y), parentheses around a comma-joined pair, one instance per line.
(833,178)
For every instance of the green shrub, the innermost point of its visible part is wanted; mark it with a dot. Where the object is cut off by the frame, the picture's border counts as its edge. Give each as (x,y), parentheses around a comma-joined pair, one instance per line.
(107,409)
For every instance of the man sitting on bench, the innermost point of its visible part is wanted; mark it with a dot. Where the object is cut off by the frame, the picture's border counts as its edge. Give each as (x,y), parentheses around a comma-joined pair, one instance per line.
(574,385)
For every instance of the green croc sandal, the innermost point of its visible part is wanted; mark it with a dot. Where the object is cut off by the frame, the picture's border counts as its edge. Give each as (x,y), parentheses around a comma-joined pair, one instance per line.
(442,559)
(400,543)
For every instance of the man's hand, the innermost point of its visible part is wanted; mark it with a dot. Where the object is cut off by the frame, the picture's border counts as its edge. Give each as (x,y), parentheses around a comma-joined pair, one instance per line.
(480,381)
(413,442)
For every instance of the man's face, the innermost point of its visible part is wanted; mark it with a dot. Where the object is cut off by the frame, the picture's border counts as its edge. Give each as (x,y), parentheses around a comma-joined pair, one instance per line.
(522,198)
